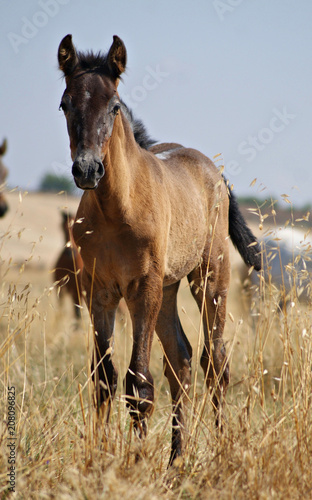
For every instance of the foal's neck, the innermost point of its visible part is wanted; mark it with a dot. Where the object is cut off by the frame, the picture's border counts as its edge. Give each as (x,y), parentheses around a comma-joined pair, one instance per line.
(122,164)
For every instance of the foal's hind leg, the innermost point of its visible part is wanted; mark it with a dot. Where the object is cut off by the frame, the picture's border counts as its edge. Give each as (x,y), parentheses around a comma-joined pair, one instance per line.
(210,295)
(177,359)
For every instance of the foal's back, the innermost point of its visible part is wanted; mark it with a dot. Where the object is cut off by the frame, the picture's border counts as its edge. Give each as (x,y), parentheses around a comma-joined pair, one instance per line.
(198,199)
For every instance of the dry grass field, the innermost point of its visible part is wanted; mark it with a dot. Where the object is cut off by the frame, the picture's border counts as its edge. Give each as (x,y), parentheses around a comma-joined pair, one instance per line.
(52,435)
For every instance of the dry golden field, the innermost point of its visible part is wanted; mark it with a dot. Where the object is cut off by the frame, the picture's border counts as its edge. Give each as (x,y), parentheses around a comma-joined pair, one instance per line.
(50,432)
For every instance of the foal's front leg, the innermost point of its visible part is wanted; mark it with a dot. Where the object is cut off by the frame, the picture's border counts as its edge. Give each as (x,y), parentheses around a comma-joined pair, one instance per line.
(144,305)
(104,373)
(103,369)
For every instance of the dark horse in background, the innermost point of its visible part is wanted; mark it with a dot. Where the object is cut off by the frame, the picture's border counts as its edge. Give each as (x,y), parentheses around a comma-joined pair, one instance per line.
(69,265)
(3,176)
(149,215)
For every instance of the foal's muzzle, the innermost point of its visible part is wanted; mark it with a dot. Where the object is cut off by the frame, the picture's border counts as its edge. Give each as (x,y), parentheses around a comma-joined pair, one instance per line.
(87,170)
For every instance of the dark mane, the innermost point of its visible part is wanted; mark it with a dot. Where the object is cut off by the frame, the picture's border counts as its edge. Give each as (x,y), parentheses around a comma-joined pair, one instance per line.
(89,61)
(139,130)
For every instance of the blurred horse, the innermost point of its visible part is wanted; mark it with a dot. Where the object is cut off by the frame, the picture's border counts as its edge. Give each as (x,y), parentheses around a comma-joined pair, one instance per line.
(287,267)
(3,176)
(69,266)
(149,216)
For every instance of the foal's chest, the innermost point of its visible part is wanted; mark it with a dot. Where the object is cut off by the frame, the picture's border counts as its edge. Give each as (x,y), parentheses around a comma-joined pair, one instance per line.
(114,253)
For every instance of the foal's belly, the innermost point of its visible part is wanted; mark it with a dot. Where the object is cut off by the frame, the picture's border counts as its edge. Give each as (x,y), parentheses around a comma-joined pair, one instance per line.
(173,275)
(183,255)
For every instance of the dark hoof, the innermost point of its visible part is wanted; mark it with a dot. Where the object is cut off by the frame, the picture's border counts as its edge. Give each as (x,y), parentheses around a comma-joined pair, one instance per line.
(140,395)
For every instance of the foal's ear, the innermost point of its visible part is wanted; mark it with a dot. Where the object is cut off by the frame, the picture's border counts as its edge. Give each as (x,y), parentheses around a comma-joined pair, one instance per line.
(117,57)
(3,147)
(67,55)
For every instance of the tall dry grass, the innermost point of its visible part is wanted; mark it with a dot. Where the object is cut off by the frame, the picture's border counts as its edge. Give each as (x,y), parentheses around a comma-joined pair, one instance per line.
(63,450)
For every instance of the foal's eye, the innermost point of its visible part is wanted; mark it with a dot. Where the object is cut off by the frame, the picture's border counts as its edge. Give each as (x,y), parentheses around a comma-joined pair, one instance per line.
(63,107)
(116,108)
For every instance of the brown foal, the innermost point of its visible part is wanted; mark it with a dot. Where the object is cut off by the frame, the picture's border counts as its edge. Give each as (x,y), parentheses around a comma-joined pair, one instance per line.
(149,216)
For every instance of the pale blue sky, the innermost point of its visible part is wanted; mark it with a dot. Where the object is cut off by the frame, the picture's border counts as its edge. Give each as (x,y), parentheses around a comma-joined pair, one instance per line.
(231,77)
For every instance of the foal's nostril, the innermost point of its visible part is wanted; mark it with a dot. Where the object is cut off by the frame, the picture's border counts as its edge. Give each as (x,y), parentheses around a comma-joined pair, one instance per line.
(76,170)
(100,168)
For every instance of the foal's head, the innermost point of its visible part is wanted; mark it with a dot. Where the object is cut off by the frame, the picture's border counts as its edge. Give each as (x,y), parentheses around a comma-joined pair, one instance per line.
(90,104)
(3,176)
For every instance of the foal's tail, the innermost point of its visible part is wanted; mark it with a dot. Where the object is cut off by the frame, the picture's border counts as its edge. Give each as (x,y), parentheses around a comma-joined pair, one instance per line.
(242,238)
